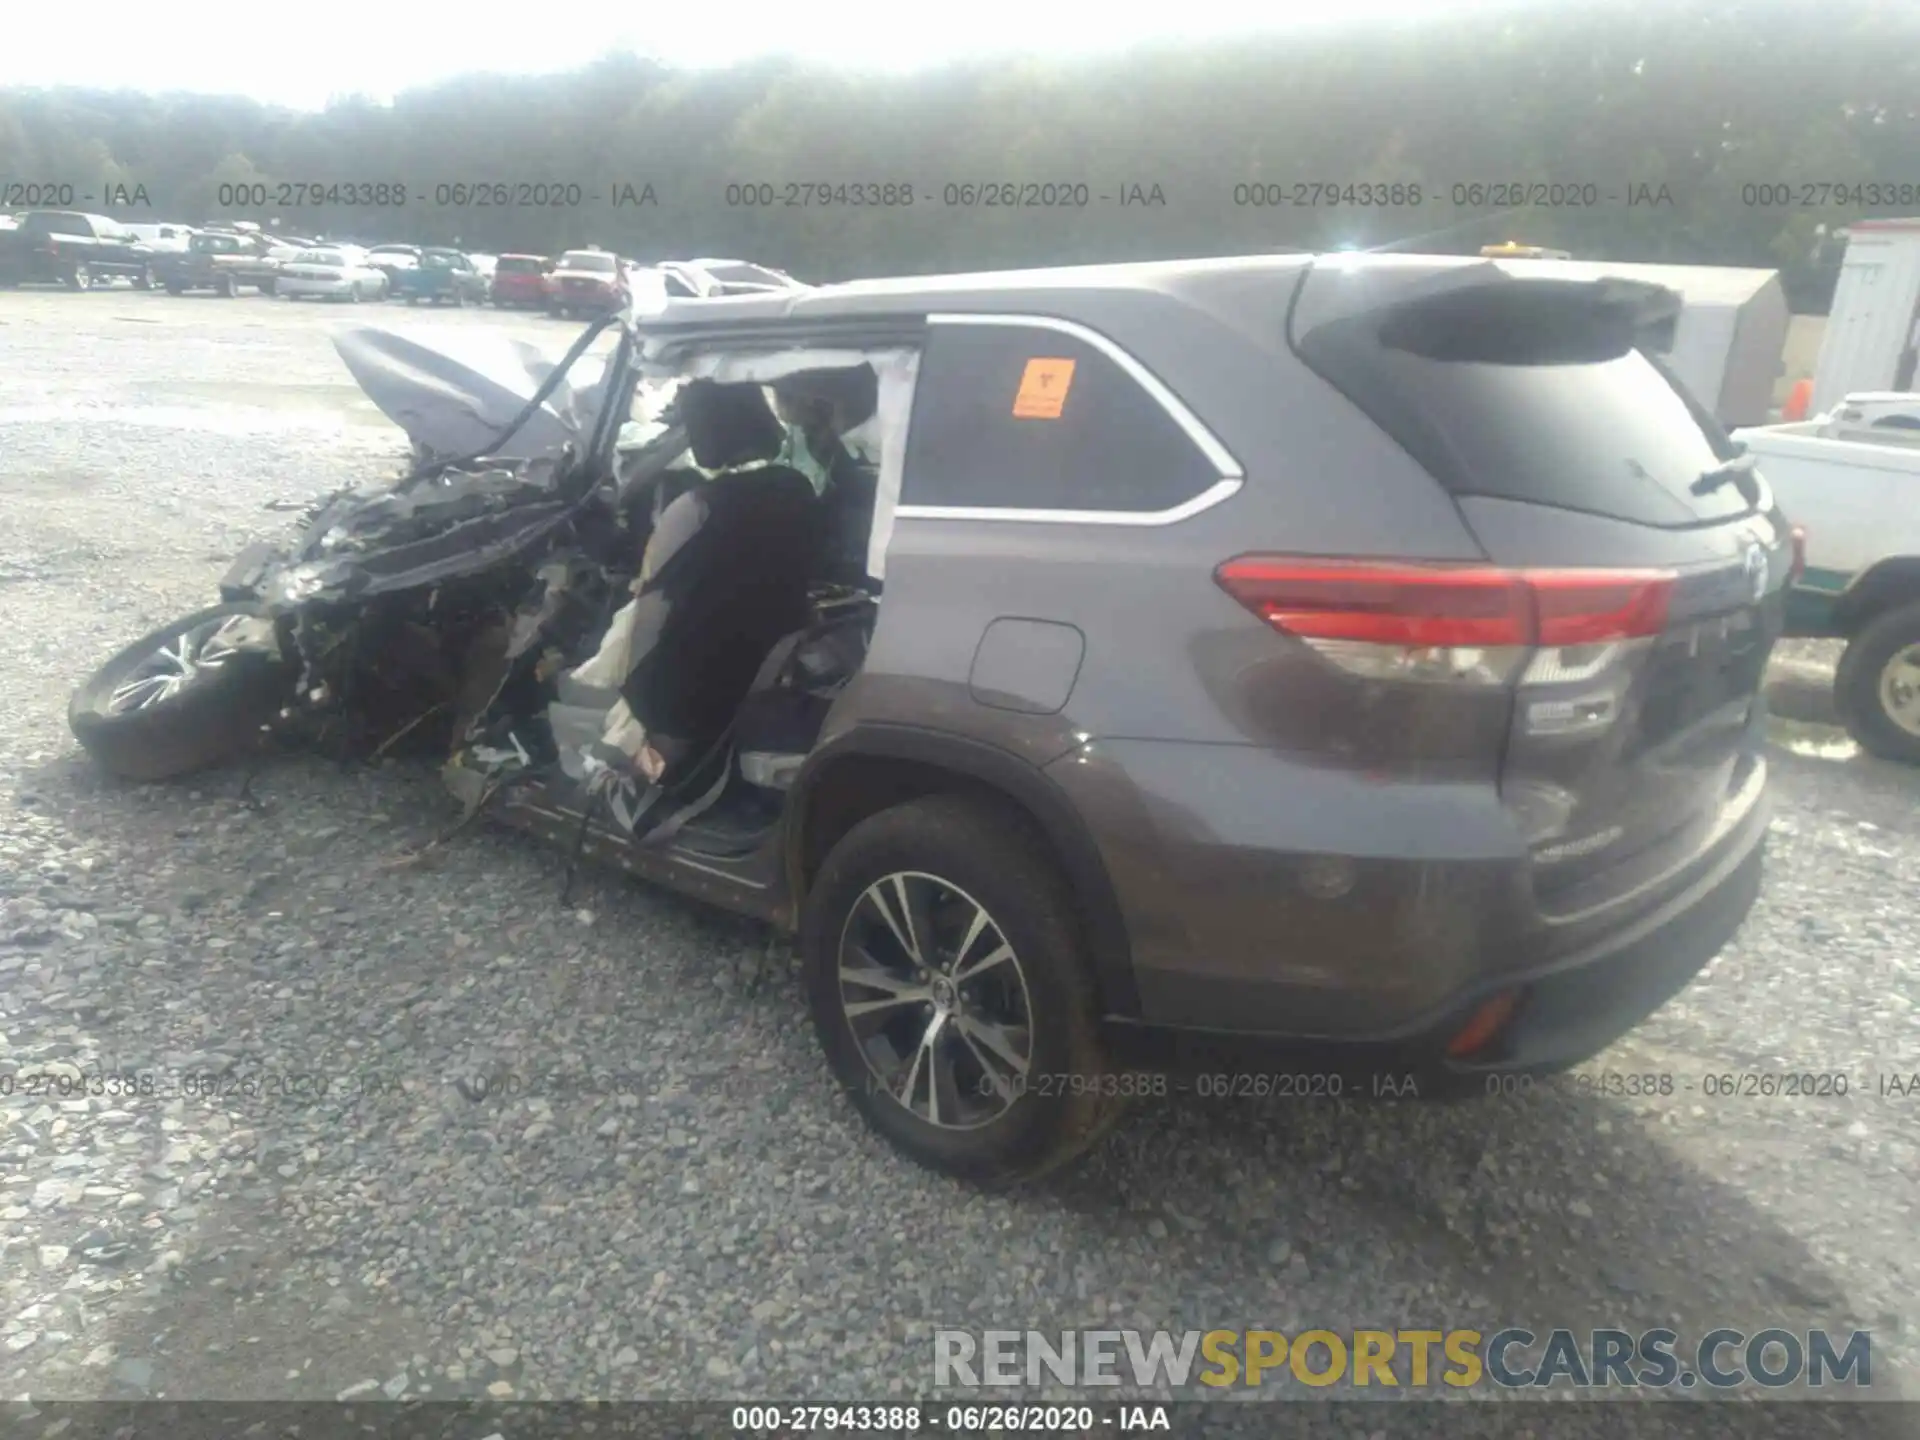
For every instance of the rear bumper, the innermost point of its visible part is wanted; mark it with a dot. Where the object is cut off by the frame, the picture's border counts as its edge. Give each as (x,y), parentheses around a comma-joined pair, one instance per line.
(1568,1011)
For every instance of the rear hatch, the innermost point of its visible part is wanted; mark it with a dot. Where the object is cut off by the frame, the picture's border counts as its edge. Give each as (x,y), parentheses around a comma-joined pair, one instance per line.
(1637,565)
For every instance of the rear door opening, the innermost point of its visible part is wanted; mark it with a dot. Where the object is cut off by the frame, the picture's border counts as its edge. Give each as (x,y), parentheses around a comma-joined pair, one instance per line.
(1636,561)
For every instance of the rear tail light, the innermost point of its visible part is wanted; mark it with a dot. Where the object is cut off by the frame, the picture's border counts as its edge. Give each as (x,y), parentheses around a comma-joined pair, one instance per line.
(1461,623)
(1799,566)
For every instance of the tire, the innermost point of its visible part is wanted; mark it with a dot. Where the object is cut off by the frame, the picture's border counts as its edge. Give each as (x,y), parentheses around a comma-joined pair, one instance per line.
(80,278)
(225,288)
(145,279)
(174,287)
(1870,677)
(212,718)
(961,855)
(268,288)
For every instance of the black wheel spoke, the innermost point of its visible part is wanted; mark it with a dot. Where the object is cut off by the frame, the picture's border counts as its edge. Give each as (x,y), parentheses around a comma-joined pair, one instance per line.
(935,996)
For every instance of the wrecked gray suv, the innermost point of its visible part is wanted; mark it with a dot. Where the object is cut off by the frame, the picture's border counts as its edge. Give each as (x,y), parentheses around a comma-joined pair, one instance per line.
(1340,667)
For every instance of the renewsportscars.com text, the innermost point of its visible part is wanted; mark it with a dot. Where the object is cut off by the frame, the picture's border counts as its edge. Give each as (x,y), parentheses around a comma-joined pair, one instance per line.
(1456,1359)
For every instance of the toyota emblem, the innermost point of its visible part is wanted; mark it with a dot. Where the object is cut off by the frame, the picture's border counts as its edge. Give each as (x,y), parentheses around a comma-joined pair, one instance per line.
(1757,572)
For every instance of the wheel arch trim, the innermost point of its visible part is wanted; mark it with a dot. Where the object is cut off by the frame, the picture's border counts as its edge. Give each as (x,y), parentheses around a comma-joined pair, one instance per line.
(1014,780)
(1886,584)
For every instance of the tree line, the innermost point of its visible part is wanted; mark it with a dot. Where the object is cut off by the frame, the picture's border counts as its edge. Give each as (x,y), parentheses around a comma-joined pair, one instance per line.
(1701,131)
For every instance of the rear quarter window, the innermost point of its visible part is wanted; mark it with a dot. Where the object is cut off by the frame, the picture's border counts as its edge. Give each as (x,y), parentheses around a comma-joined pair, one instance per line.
(1111,447)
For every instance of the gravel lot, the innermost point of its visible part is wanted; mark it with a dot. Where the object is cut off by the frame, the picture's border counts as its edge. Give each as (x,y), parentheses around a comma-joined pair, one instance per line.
(720,1225)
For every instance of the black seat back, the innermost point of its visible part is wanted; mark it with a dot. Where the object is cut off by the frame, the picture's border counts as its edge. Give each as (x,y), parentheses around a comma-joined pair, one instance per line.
(733,560)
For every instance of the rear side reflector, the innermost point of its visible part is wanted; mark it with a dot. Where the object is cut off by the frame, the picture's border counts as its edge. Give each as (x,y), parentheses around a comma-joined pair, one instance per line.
(1471,622)
(1799,566)
(1483,1025)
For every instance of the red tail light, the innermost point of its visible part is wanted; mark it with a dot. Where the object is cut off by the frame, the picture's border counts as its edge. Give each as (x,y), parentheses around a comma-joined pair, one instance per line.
(1799,566)
(1463,622)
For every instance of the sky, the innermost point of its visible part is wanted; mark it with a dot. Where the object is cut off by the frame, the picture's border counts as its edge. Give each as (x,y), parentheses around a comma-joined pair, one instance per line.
(379,49)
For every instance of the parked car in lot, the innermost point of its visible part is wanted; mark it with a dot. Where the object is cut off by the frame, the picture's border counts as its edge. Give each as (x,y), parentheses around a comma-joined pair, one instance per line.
(1372,692)
(223,261)
(1850,480)
(74,249)
(520,281)
(587,282)
(163,238)
(742,277)
(442,277)
(338,272)
(390,260)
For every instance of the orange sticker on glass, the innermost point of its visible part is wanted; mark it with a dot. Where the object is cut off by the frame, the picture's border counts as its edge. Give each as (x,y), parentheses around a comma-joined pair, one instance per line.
(1043,390)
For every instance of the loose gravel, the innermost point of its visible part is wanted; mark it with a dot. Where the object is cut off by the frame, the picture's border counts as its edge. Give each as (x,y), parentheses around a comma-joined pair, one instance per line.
(465,1140)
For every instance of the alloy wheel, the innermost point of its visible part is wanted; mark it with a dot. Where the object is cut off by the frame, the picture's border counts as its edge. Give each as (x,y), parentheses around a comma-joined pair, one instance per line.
(936,1000)
(173,667)
(1900,688)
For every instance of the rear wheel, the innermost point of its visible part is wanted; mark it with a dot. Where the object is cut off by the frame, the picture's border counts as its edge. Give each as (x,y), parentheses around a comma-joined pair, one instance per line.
(145,279)
(80,278)
(183,698)
(950,989)
(225,287)
(1877,686)
(174,287)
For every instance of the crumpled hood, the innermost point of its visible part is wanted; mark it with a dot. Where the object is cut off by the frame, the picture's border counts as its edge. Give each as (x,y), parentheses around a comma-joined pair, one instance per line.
(454,391)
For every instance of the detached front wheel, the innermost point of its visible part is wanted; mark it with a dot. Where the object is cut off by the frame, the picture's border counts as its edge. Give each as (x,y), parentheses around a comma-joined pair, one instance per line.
(190,695)
(1877,685)
(950,989)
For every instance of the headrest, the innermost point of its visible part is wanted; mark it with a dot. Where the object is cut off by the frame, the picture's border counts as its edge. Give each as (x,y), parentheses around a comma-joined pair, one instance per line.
(728,424)
(853,391)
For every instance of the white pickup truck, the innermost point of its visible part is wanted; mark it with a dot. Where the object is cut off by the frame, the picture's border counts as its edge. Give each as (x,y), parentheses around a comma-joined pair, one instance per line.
(1850,481)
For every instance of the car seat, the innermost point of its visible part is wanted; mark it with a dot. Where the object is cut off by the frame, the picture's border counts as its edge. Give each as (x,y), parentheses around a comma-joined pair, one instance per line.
(725,578)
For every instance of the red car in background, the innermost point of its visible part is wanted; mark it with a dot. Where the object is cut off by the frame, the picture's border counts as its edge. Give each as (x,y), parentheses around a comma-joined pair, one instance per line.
(587,282)
(520,280)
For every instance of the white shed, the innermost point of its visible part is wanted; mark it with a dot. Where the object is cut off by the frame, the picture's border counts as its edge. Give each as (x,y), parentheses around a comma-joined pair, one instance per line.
(1731,332)
(1873,327)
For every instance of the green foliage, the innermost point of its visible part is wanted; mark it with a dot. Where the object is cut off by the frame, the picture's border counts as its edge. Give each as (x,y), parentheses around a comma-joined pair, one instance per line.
(1706,98)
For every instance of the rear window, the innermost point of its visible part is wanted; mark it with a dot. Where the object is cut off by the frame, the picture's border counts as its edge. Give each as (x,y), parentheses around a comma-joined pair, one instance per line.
(1517,397)
(587,260)
(60,222)
(514,265)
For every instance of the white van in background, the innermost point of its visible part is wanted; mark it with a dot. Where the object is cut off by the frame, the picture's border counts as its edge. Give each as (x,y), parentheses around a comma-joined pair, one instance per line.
(164,237)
